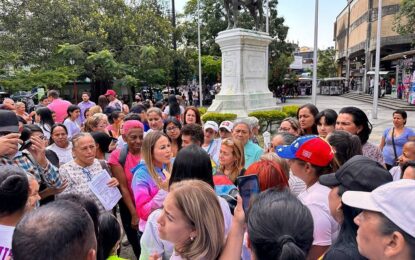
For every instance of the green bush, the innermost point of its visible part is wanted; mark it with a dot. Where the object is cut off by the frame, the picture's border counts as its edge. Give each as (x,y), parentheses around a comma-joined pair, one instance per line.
(202,110)
(291,110)
(267,118)
(218,117)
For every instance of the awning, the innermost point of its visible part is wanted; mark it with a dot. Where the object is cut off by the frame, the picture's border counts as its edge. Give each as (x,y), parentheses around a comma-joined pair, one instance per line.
(399,55)
(380,72)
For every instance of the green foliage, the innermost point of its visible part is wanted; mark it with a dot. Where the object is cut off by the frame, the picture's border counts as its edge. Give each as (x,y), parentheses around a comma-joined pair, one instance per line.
(326,66)
(202,110)
(405,19)
(268,118)
(291,110)
(211,68)
(218,117)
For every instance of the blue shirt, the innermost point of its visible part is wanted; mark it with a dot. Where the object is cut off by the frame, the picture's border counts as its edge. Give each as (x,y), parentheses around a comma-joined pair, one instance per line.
(388,154)
(252,153)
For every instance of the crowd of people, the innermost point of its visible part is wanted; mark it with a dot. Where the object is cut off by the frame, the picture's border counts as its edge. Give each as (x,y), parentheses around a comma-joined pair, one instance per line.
(76,178)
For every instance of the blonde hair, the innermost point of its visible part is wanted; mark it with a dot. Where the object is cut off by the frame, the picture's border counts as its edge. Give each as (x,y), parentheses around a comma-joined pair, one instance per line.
(19,104)
(155,110)
(147,150)
(200,206)
(93,121)
(94,110)
(280,161)
(238,152)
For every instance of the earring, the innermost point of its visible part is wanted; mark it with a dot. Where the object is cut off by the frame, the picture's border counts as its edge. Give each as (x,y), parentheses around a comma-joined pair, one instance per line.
(192,238)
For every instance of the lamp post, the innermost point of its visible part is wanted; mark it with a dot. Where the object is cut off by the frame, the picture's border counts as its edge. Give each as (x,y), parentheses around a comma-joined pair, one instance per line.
(314,87)
(200,54)
(377,62)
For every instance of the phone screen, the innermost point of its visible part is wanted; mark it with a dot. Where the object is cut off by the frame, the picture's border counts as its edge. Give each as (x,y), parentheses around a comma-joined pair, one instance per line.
(248,187)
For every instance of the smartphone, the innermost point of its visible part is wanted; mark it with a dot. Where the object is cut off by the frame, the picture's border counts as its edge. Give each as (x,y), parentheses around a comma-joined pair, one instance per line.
(248,187)
(25,145)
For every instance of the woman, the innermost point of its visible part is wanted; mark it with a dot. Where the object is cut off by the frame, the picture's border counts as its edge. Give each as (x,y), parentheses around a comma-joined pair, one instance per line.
(103,102)
(355,121)
(71,121)
(291,125)
(97,122)
(141,110)
(151,176)
(191,116)
(345,146)
(306,115)
(197,231)
(270,174)
(173,109)
(102,142)
(279,227)
(394,138)
(231,165)
(155,119)
(21,111)
(117,118)
(122,161)
(44,120)
(326,122)
(109,238)
(59,143)
(172,128)
(310,157)
(80,171)
(192,163)
(351,176)
(211,144)
(94,110)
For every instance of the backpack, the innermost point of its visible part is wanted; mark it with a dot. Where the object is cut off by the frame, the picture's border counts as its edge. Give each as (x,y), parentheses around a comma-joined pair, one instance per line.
(123,155)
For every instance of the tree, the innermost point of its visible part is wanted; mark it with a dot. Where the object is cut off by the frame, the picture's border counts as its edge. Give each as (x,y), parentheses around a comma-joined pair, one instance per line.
(405,18)
(326,66)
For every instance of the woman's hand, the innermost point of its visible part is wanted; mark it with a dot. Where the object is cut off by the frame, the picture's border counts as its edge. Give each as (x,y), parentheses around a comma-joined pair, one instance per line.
(113,182)
(164,184)
(50,191)
(239,214)
(155,256)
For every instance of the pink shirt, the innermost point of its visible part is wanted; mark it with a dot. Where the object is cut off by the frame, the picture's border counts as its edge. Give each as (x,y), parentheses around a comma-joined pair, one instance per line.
(130,162)
(59,106)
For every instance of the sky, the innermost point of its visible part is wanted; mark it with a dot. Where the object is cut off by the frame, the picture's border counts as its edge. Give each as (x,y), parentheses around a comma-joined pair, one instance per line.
(301,20)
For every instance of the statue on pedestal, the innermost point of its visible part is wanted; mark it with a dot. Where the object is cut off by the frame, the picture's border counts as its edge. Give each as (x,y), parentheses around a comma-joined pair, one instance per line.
(254,7)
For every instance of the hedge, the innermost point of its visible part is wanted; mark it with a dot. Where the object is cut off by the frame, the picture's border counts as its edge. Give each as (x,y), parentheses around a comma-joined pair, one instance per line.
(218,117)
(202,110)
(291,111)
(267,118)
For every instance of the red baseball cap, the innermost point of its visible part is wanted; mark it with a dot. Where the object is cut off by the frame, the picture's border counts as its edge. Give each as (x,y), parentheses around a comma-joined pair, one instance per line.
(309,148)
(110,92)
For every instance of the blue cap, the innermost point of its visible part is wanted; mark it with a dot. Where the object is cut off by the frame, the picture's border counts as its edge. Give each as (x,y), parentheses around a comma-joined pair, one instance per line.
(289,151)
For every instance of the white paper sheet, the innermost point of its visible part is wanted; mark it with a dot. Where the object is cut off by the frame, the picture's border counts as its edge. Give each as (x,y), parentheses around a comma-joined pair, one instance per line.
(109,196)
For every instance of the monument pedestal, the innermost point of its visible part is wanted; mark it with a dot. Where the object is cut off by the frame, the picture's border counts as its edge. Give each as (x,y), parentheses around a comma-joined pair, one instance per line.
(244,73)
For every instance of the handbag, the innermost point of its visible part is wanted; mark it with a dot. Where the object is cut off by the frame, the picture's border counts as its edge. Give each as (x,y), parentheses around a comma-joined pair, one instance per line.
(394,148)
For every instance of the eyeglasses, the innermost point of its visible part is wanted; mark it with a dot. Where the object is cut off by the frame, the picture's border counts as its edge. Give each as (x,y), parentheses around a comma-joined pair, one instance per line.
(171,129)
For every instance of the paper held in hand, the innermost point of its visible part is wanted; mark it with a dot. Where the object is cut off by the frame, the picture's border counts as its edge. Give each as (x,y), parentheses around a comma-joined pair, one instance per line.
(108,196)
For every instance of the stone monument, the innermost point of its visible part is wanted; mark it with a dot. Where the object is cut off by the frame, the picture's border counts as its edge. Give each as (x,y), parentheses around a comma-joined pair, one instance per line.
(244,73)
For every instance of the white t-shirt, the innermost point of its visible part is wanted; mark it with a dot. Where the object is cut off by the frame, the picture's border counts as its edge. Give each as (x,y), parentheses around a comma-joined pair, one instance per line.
(213,149)
(396,173)
(6,235)
(73,127)
(64,154)
(316,198)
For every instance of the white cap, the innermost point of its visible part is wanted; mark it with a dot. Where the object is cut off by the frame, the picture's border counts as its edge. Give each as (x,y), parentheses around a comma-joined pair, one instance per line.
(393,199)
(228,125)
(212,125)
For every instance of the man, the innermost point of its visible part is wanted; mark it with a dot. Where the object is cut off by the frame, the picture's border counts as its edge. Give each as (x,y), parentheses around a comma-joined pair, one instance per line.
(33,159)
(408,154)
(58,105)
(58,230)
(84,105)
(254,123)
(192,134)
(242,131)
(225,129)
(386,224)
(14,193)
(114,102)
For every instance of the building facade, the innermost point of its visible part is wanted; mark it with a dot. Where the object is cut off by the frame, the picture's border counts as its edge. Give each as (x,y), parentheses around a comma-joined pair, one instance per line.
(355,33)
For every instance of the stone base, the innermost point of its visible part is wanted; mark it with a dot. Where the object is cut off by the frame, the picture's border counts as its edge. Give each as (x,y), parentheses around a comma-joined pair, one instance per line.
(244,73)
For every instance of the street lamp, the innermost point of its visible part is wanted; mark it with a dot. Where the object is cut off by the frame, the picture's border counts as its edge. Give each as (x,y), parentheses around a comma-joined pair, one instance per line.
(377,63)
(75,88)
(314,87)
(200,54)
